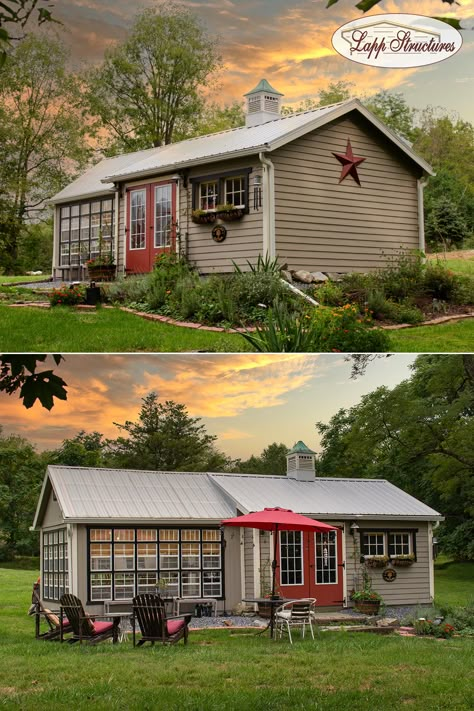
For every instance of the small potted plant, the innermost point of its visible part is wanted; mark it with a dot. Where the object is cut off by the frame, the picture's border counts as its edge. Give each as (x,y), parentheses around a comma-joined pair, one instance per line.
(376,561)
(367,601)
(229,213)
(203,217)
(101,268)
(403,560)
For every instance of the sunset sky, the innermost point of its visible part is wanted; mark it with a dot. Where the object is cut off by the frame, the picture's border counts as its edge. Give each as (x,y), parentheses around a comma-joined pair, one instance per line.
(289,43)
(247,400)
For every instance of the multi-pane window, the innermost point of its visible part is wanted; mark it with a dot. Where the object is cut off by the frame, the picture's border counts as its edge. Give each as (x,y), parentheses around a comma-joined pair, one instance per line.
(85,231)
(325,548)
(235,191)
(373,544)
(181,562)
(208,195)
(163,215)
(399,544)
(138,219)
(291,558)
(55,564)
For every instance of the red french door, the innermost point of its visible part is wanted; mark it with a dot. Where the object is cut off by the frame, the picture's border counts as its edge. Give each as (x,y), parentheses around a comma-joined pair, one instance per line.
(311,565)
(151,224)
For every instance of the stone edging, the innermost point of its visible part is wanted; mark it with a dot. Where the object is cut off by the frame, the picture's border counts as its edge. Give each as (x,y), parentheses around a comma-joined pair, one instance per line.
(432,322)
(185,324)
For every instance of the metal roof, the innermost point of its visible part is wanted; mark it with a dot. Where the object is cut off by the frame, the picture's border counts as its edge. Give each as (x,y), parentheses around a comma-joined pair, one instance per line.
(101,495)
(233,143)
(110,494)
(325,498)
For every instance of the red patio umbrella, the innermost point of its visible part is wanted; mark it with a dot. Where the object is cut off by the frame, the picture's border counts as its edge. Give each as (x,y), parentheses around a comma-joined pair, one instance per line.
(275,520)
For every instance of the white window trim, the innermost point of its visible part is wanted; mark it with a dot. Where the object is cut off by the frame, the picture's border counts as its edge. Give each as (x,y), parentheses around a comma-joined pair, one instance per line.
(293,585)
(137,249)
(336,582)
(384,538)
(208,182)
(400,533)
(168,242)
(242,179)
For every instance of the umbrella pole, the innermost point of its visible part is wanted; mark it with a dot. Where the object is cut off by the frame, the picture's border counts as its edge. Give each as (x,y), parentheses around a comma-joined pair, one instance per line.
(274,567)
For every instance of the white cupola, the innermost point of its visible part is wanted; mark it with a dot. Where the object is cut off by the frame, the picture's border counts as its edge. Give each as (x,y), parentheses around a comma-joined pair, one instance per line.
(300,463)
(263,104)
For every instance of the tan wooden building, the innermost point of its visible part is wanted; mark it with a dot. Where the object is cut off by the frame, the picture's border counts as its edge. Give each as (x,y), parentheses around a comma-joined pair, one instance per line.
(331,189)
(107,535)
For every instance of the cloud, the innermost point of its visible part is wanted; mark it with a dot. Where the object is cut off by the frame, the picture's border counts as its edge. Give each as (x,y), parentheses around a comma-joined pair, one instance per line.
(233,434)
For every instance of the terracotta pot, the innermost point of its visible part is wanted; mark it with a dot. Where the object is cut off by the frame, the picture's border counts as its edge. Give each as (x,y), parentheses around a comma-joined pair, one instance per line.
(367,607)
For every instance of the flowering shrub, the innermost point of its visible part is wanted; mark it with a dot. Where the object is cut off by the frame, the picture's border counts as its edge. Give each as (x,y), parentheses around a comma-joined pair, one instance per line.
(366,595)
(66,296)
(428,627)
(345,329)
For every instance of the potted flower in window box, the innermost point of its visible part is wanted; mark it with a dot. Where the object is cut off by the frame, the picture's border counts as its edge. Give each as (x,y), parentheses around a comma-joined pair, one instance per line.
(101,268)
(367,601)
(403,560)
(203,217)
(229,213)
(376,561)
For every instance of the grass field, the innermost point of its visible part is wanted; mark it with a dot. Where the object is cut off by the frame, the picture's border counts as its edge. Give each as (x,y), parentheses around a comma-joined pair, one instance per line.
(112,331)
(221,670)
(459,262)
(22,279)
(454,582)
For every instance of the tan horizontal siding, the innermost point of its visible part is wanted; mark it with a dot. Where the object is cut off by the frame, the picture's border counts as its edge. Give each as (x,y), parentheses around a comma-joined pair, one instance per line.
(121,234)
(244,239)
(324,224)
(249,563)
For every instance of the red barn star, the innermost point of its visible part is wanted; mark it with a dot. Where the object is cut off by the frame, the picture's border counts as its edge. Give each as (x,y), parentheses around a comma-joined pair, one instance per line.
(349,163)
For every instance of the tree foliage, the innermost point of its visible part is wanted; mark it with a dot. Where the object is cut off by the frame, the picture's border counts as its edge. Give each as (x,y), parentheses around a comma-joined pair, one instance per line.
(15,15)
(272,460)
(19,372)
(394,111)
(42,135)
(165,438)
(418,436)
(366,5)
(149,90)
(86,449)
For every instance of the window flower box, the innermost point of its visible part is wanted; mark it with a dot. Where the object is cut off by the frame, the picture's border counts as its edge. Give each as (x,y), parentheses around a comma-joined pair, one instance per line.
(403,561)
(376,561)
(229,213)
(202,217)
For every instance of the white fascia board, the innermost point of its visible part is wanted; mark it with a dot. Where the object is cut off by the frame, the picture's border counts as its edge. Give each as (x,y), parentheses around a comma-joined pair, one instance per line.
(83,196)
(241,153)
(42,503)
(340,111)
(104,521)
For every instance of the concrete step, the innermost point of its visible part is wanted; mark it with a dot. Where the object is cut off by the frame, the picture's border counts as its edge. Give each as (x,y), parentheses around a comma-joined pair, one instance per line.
(339,618)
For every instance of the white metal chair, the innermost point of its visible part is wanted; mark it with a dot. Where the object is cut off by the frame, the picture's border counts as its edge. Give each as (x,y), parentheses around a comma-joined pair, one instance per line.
(293,614)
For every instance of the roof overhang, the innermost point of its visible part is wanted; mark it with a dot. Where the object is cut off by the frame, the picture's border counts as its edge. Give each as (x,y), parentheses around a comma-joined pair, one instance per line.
(84,196)
(43,501)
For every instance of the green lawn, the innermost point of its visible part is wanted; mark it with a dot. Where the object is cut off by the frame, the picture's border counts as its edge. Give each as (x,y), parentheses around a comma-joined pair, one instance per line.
(23,279)
(450,337)
(454,582)
(221,670)
(460,266)
(105,330)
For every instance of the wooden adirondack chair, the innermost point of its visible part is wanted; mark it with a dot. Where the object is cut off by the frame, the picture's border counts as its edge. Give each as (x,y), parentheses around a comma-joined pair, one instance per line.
(51,617)
(86,628)
(154,625)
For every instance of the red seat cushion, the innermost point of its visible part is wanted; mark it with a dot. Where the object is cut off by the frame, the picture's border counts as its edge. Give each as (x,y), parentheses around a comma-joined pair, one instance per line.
(101,627)
(174,626)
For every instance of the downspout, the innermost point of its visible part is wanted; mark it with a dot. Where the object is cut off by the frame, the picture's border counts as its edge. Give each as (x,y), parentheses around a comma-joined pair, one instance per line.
(268,206)
(116,226)
(421,182)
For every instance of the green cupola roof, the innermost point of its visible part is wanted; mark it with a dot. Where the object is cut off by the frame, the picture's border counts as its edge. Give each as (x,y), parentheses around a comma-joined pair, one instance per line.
(263,85)
(301,448)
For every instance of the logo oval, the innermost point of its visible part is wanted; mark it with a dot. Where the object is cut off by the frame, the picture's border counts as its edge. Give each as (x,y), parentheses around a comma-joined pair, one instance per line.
(397,40)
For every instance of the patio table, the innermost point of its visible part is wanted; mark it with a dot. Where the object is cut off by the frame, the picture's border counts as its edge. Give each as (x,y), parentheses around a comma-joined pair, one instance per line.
(123,617)
(274,603)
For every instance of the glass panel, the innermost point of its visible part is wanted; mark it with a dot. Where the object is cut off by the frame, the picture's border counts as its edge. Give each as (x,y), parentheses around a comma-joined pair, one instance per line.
(107,225)
(124,534)
(64,254)
(235,192)
(190,555)
(190,535)
(208,195)
(107,205)
(212,534)
(326,558)
(191,584)
(147,583)
(138,219)
(211,584)
(95,226)
(65,211)
(169,556)
(146,556)
(291,558)
(85,208)
(85,226)
(65,226)
(124,586)
(163,215)
(75,253)
(172,582)
(211,555)
(399,544)
(74,210)
(101,556)
(146,534)
(101,586)
(95,207)
(373,544)
(124,556)
(100,534)
(169,534)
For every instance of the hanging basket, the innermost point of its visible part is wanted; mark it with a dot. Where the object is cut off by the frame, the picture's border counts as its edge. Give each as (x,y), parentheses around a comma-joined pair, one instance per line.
(231,215)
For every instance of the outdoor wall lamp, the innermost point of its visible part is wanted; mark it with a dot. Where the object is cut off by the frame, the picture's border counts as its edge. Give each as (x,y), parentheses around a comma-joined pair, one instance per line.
(354,528)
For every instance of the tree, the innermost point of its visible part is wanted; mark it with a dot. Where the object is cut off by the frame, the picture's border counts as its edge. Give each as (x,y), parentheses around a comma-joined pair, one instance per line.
(18,372)
(21,475)
(42,136)
(83,450)
(271,461)
(366,5)
(418,436)
(444,224)
(165,438)
(220,118)
(149,90)
(336,92)
(15,15)
(394,111)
